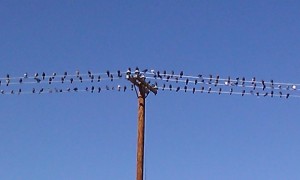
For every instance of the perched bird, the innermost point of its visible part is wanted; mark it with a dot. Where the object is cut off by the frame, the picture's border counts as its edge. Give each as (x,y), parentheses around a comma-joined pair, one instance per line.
(220,91)
(99,78)
(36,75)
(202,89)
(178,88)
(272,84)
(145,70)
(92,78)
(266,94)
(62,79)
(43,75)
(89,73)
(71,80)
(196,81)
(12,92)
(194,89)
(176,78)
(108,73)
(20,80)
(288,95)
(7,82)
(209,90)
(92,89)
(99,89)
(124,88)
(168,77)
(137,71)
(20,90)
(33,90)
(170,87)
(243,81)
(111,78)
(181,74)
(80,78)
(272,93)
(69,89)
(50,80)
(185,88)
(231,90)
(119,74)
(25,75)
(164,85)
(65,74)
(280,94)
(257,93)
(164,73)
(41,90)
(186,81)
(77,73)
(75,89)
(119,88)
(243,93)
(38,80)
(86,89)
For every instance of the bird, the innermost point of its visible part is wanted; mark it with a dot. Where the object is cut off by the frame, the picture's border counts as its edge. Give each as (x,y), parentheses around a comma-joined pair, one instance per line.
(124,88)
(54,74)
(7,82)
(196,81)
(119,88)
(119,74)
(194,89)
(145,70)
(107,88)
(25,75)
(99,78)
(186,81)
(43,75)
(137,71)
(168,77)
(80,78)
(50,80)
(272,84)
(202,89)
(89,73)
(170,87)
(257,93)
(12,92)
(176,78)
(243,93)
(231,90)
(210,79)
(108,73)
(99,89)
(272,93)
(253,80)
(185,88)
(2,92)
(164,73)
(128,72)
(0,82)
(92,89)
(181,74)
(243,81)
(220,90)
(280,93)
(71,80)
(36,75)
(20,80)
(111,78)
(65,74)
(38,80)
(266,94)
(62,79)
(209,90)
(288,95)
(86,89)
(41,90)
(77,73)
(69,89)
(92,78)
(178,88)
(20,90)
(164,85)
(33,90)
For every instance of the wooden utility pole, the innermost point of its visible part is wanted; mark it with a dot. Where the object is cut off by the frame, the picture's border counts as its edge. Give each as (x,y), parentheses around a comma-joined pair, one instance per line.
(144,88)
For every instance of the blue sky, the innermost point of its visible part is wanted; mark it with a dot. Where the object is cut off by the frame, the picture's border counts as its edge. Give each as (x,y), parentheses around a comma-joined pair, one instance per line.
(201,136)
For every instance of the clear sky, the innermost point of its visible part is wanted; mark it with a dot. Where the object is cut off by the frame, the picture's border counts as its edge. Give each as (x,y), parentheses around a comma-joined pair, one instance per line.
(202,136)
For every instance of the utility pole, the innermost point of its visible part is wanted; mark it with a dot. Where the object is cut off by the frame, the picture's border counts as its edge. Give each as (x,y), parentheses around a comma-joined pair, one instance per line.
(138,80)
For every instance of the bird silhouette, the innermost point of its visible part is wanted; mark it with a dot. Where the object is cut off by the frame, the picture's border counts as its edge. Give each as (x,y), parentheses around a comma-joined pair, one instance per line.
(181,74)
(178,88)
(194,89)
(185,88)
(43,75)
